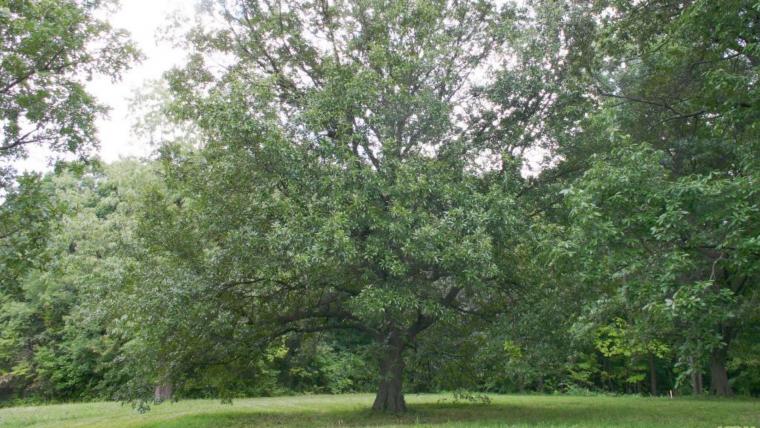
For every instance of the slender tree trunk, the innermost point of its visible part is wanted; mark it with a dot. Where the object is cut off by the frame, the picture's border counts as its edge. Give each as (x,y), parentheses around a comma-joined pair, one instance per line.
(718,373)
(652,376)
(696,377)
(700,383)
(390,397)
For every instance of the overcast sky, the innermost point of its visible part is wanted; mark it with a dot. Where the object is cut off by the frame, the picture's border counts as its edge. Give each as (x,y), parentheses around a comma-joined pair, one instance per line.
(143,19)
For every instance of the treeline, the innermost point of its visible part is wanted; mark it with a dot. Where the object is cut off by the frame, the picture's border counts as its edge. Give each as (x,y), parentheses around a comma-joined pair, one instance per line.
(347,205)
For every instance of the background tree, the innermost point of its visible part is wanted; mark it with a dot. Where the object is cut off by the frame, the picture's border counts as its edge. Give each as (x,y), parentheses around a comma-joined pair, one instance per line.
(54,340)
(48,49)
(683,84)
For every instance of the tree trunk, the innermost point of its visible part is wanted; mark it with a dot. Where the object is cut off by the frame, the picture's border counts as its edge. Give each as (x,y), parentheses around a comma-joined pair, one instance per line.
(162,392)
(389,397)
(696,377)
(718,373)
(700,383)
(652,376)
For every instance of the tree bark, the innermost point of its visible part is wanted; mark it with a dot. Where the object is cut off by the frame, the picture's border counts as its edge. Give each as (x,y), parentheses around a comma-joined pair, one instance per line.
(390,397)
(696,377)
(162,392)
(652,376)
(718,374)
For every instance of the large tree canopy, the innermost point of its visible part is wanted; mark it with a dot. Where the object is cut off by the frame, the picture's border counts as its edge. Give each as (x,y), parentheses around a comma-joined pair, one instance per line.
(355,174)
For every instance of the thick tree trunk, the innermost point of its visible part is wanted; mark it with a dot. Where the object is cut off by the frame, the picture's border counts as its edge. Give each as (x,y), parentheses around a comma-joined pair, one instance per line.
(652,376)
(162,392)
(718,373)
(389,397)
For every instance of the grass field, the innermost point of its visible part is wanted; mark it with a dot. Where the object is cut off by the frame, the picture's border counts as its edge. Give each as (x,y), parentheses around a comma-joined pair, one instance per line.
(425,410)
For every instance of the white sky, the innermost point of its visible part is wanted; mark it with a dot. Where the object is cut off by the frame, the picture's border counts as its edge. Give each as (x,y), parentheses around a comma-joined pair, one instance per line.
(144,19)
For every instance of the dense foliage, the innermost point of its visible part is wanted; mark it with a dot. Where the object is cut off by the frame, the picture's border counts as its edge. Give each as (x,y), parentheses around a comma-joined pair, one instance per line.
(48,49)
(403,196)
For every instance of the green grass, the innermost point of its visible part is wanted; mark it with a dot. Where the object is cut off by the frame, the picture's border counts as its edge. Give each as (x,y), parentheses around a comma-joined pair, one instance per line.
(425,410)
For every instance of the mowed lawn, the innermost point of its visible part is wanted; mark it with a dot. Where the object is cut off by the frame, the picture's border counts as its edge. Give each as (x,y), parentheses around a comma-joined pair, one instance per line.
(425,410)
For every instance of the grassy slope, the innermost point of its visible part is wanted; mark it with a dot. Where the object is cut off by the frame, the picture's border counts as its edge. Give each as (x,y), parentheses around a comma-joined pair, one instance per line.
(426,410)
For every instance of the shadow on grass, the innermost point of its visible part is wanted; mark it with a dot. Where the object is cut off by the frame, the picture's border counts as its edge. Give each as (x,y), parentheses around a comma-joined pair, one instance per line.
(565,414)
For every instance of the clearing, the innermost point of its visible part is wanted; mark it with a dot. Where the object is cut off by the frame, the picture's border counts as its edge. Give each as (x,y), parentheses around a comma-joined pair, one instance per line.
(425,410)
